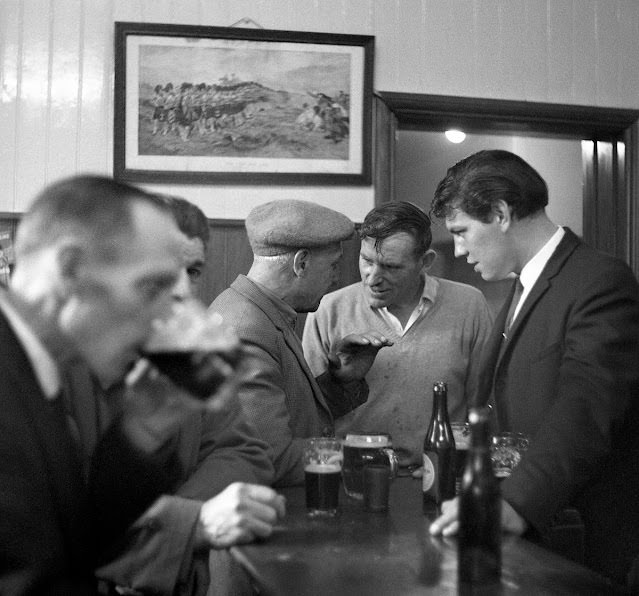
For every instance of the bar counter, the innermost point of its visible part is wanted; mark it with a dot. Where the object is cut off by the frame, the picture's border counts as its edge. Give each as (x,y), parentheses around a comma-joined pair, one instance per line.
(392,553)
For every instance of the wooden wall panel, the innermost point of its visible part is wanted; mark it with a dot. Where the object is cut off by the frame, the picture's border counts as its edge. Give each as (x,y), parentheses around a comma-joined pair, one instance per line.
(584,54)
(56,70)
(32,98)
(10,46)
(64,99)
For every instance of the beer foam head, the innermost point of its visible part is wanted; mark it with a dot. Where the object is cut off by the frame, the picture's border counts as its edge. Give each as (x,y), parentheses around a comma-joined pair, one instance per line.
(316,468)
(192,327)
(371,440)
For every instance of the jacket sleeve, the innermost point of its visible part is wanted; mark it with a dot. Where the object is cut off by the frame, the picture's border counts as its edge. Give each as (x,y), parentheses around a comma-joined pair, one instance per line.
(150,556)
(215,448)
(481,320)
(228,451)
(264,401)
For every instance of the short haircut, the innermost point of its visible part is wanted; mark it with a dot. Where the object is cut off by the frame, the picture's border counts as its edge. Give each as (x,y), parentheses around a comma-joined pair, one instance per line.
(401,216)
(96,210)
(475,184)
(189,218)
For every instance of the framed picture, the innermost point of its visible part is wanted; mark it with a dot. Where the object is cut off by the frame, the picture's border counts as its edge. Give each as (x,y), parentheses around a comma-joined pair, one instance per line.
(234,105)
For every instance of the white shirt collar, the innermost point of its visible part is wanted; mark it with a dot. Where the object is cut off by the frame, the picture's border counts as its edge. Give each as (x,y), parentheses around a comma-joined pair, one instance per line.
(44,366)
(429,294)
(533,268)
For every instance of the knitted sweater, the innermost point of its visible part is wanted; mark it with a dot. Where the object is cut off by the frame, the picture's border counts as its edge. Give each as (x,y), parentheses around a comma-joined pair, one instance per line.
(445,344)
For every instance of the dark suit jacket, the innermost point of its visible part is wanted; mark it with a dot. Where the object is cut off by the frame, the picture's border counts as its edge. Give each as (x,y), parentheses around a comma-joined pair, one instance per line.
(568,377)
(52,525)
(45,527)
(279,393)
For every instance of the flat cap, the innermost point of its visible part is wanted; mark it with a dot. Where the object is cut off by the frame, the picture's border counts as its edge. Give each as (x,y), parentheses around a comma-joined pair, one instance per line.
(278,227)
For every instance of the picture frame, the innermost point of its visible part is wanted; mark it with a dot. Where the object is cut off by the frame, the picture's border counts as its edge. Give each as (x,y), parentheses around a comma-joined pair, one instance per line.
(232,105)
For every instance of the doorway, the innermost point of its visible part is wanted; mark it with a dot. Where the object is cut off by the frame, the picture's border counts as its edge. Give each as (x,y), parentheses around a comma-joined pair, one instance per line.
(609,159)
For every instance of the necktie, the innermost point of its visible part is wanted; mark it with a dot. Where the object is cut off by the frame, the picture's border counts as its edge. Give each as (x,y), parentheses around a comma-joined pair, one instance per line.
(519,289)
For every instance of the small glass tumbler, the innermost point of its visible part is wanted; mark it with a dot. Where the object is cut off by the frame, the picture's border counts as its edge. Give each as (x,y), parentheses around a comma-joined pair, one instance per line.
(322,471)
(506,451)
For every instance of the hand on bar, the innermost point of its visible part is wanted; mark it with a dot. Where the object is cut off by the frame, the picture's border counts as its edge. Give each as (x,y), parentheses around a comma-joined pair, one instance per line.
(447,524)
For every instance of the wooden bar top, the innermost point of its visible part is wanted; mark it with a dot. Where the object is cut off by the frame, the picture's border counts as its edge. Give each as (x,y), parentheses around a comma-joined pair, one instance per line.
(392,553)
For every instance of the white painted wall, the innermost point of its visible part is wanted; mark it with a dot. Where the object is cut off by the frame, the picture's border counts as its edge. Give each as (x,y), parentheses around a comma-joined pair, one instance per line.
(56,71)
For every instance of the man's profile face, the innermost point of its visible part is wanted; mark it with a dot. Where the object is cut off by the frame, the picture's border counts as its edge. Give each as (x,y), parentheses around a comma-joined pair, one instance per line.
(392,275)
(322,276)
(109,315)
(483,244)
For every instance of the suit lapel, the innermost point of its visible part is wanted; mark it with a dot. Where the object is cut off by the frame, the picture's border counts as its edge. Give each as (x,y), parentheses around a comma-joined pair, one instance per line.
(249,290)
(556,262)
(497,347)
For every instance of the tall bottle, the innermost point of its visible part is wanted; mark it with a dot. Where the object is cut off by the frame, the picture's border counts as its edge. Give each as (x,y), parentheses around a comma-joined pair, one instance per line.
(439,453)
(479,535)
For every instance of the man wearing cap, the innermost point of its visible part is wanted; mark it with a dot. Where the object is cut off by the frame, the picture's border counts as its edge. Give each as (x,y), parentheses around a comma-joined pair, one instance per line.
(296,253)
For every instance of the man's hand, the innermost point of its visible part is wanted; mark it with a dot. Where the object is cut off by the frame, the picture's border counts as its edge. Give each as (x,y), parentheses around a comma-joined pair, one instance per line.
(447,524)
(353,355)
(239,514)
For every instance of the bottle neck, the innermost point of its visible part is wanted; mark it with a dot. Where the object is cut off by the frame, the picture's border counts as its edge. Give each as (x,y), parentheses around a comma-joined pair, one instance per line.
(440,404)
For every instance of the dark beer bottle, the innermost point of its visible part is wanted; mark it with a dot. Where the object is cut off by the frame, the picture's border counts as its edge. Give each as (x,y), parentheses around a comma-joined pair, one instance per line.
(479,537)
(438,481)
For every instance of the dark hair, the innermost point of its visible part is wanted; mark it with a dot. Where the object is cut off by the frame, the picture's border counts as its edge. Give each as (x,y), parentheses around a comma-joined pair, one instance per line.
(474,185)
(401,216)
(189,218)
(94,209)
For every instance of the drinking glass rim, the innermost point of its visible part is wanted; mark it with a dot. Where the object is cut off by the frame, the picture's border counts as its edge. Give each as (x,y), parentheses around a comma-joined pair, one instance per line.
(367,439)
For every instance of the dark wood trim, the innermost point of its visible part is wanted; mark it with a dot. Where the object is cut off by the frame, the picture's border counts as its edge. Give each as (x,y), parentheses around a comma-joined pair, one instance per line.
(476,114)
(437,112)
(631,195)
(384,130)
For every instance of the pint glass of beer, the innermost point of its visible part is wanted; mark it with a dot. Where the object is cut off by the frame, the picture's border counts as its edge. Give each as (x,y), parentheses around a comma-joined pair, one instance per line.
(322,470)
(362,449)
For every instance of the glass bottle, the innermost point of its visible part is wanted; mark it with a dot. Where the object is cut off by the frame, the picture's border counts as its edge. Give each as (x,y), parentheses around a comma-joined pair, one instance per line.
(438,480)
(479,535)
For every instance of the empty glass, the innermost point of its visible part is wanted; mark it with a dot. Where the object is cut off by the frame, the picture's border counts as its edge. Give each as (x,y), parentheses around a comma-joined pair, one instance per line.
(506,451)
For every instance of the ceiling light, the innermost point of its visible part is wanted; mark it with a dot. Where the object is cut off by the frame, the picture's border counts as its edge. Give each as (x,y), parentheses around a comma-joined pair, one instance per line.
(455,136)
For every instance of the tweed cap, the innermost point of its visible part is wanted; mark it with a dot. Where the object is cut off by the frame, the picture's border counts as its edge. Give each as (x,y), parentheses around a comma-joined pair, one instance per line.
(278,227)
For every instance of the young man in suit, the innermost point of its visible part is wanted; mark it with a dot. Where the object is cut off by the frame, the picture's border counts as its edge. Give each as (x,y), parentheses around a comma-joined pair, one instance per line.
(564,368)
(96,263)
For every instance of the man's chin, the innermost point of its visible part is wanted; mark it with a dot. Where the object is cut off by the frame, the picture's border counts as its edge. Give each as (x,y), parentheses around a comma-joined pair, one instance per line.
(376,302)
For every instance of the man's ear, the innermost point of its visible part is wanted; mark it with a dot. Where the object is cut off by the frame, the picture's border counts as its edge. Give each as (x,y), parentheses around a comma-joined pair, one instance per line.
(503,214)
(301,261)
(429,258)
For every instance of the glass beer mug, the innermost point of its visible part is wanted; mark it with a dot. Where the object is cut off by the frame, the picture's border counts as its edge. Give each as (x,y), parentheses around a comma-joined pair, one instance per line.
(361,449)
